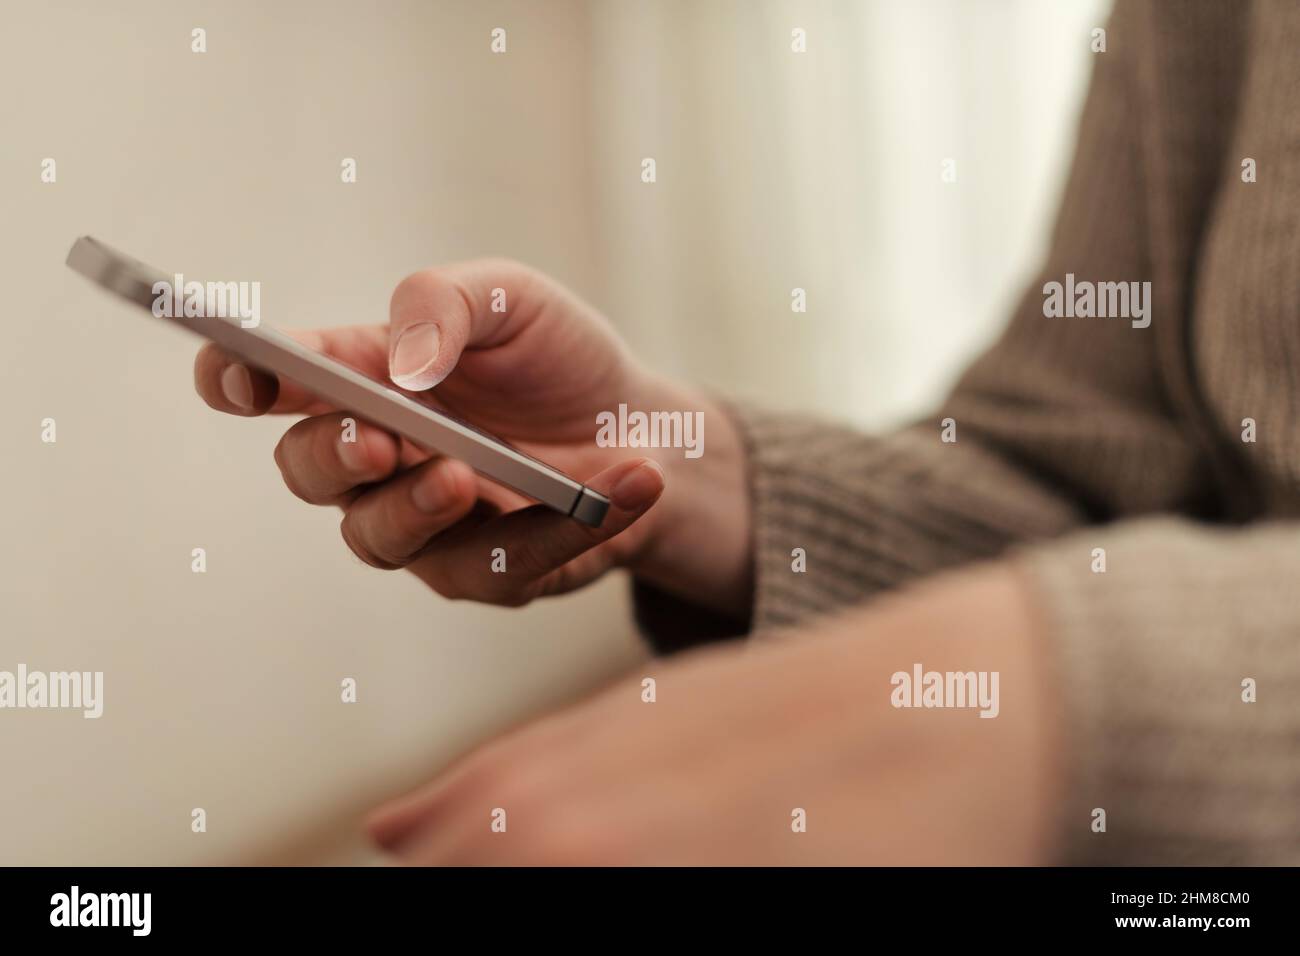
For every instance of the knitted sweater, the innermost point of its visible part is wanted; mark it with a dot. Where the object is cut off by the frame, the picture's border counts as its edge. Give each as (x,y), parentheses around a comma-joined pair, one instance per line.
(1077,432)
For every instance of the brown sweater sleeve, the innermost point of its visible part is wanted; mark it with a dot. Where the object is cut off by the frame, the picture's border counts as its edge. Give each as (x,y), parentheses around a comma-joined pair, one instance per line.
(1063,422)
(1071,435)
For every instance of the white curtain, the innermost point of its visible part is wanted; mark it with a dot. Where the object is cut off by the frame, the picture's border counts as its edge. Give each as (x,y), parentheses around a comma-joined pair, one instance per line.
(821,170)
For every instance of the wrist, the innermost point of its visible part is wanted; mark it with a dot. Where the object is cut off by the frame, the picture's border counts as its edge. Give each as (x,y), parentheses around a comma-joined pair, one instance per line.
(698,542)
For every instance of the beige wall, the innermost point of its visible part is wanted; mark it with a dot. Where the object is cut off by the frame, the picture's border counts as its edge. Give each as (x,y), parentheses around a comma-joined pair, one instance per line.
(222,689)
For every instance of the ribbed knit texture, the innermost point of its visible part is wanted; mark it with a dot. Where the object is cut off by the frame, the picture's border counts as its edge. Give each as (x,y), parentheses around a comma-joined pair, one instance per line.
(1072,433)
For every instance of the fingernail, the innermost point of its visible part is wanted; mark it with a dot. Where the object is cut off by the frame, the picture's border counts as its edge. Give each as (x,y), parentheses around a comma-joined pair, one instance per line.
(638,486)
(353,454)
(413,356)
(432,492)
(237,386)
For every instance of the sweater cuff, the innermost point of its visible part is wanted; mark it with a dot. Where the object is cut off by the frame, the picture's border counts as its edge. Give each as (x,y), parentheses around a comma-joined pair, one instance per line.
(1155,656)
(837,517)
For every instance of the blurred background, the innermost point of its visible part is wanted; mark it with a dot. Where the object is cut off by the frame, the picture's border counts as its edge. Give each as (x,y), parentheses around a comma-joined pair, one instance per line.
(776,170)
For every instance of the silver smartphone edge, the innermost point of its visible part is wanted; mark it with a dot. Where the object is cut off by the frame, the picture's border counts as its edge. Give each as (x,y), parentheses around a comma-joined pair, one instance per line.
(347,388)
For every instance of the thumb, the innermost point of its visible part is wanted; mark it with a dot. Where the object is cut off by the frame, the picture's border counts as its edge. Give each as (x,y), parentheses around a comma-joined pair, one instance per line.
(437,313)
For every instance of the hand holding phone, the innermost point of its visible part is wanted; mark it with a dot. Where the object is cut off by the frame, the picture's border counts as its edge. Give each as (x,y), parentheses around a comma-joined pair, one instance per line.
(535,374)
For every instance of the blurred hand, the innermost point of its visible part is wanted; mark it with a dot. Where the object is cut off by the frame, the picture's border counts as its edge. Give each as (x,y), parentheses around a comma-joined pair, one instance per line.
(741,736)
(536,374)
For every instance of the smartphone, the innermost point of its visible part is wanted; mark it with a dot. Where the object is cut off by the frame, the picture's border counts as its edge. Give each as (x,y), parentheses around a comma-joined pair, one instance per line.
(345,387)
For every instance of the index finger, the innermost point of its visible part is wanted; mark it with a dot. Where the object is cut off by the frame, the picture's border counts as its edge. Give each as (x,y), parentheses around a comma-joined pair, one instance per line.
(230,385)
